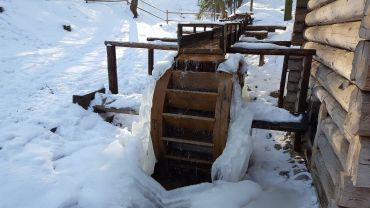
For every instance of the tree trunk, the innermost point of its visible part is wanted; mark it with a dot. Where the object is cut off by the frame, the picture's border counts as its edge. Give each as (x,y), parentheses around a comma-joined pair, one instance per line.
(133,7)
(288,10)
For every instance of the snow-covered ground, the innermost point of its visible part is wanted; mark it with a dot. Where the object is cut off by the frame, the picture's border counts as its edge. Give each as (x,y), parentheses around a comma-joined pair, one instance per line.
(55,154)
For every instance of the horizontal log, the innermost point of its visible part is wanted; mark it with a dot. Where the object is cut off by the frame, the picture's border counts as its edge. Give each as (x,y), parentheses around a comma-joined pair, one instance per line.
(337,12)
(358,119)
(339,144)
(269,28)
(336,112)
(314,4)
(337,59)
(339,87)
(361,66)
(142,45)
(162,39)
(365,23)
(344,35)
(272,51)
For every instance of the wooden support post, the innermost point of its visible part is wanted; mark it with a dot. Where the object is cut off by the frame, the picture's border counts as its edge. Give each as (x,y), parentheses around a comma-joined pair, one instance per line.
(302,104)
(179,34)
(282,81)
(262,60)
(112,69)
(194,29)
(251,6)
(167,17)
(150,61)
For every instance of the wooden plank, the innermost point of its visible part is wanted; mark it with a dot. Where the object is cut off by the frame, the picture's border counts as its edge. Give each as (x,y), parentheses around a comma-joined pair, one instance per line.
(257,34)
(361,66)
(172,47)
(337,59)
(189,122)
(187,159)
(314,4)
(197,81)
(156,121)
(272,51)
(349,11)
(112,69)
(298,127)
(222,114)
(187,141)
(268,28)
(339,87)
(105,109)
(84,100)
(162,39)
(344,35)
(358,118)
(194,100)
(339,144)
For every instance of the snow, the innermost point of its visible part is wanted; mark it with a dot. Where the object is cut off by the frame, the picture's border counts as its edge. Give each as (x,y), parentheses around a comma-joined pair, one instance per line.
(56,154)
(231,65)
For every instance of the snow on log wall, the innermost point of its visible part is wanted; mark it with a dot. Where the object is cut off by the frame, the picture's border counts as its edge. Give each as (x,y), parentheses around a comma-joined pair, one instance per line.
(339,30)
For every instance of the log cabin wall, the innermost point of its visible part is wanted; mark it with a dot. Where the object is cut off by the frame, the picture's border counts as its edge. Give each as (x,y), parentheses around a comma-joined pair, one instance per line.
(340,79)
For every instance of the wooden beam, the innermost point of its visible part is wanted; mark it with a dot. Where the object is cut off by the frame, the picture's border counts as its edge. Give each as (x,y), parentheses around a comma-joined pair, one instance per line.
(141,45)
(187,121)
(256,34)
(162,39)
(191,100)
(269,28)
(112,69)
(105,109)
(283,81)
(273,51)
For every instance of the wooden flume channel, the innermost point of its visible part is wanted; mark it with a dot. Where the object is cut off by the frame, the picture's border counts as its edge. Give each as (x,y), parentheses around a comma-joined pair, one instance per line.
(191,102)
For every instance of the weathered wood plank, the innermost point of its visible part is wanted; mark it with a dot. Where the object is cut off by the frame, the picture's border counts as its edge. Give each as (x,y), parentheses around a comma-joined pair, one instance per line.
(193,100)
(359,163)
(172,47)
(273,51)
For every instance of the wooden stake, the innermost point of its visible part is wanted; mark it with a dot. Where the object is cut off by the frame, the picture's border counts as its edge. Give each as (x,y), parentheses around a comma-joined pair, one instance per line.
(150,61)
(112,69)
